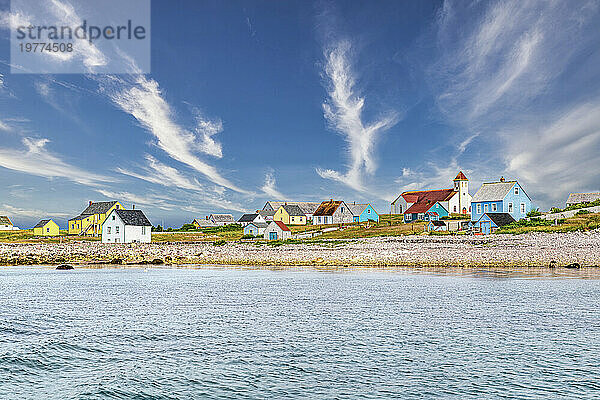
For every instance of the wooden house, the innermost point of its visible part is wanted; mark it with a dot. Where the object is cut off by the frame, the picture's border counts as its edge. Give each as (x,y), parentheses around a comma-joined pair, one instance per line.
(126,226)
(307,207)
(290,215)
(436,226)
(277,230)
(46,227)
(255,228)
(425,211)
(501,197)
(89,222)
(333,212)
(221,219)
(5,223)
(363,212)
(490,222)
(577,198)
(456,200)
(249,218)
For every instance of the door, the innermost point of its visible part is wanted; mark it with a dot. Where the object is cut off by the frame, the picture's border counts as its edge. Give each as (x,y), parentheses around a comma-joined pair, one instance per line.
(272,235)
(486,227)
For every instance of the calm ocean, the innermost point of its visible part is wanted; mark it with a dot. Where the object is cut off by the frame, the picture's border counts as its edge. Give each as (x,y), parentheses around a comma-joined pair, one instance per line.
(129,333)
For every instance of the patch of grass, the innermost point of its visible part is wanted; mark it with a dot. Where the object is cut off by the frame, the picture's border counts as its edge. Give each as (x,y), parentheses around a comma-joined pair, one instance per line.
(27,236)
(583,222)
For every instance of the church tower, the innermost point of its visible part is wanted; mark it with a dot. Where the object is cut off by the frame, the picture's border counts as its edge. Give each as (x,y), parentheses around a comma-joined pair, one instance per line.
(461,185)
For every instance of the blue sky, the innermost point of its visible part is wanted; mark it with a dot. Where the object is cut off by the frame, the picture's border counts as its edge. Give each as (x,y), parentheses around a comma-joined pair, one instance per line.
(251,101)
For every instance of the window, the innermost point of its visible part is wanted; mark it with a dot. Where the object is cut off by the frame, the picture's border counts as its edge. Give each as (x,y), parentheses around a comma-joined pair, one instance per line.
(485,207)
(143,230)
(454,208)
(117,240)
(494,207)
(342,209)
(293,219)
(420,216)
(510,207)
(478,208)
(522,208)
(108,230)
(48,229)
(116,229)
(369,211)
(113,217)
(516,190)
(117,207)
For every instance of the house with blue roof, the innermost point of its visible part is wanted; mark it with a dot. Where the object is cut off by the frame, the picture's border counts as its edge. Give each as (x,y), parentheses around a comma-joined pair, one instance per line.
(500,197)
(363,212)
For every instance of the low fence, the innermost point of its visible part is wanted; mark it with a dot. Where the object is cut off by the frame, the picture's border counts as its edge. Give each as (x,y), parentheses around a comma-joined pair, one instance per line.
(568,214)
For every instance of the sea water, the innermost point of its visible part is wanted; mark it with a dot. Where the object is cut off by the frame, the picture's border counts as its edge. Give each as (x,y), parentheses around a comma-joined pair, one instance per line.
(166,333)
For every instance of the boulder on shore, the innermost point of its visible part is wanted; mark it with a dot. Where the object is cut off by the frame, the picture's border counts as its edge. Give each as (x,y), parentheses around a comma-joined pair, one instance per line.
(64,267)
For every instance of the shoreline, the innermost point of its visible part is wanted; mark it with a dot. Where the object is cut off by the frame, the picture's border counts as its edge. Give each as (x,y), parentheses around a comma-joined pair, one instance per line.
(527,250)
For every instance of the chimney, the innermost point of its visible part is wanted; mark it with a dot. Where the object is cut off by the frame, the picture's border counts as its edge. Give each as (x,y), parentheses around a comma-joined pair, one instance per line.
(133,207)
(90,203)
(207,217)
(502,179)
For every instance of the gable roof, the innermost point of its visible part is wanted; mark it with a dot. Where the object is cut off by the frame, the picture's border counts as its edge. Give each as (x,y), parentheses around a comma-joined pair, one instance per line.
(417,196)
(202,222)
(4,220)
(575,198)
(42,223)
(266,213)
(327,208)
(222,217)
(493,191)
(258,224)
(100,207)
(281,225)
(247,218)
(437,222)
(461,177)
(133,217)
(500,219)
(293,210)
(357,209)
(307,207)
(422,207)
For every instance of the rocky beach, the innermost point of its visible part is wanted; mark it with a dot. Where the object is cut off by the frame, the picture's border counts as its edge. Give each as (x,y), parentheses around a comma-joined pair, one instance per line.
(528,250)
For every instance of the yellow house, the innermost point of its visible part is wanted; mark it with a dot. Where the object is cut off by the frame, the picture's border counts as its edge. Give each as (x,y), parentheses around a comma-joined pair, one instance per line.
(89,222)
(290,215)
(46,227)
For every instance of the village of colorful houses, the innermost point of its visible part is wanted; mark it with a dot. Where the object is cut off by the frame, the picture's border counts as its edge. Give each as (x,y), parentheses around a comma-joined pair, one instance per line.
(494,205)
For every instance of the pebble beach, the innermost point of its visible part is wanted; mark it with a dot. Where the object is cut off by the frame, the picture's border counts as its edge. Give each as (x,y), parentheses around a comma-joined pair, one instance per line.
(528,250)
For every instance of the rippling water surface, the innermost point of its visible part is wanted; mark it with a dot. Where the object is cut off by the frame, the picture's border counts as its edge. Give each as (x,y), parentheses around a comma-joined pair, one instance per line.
(226,333)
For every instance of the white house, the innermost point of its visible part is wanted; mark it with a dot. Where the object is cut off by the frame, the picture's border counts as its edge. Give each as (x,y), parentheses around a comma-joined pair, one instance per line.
(277,230)
(6,224)
(126,226)
(221,219)
(249,218)
(456,200)
(333,212)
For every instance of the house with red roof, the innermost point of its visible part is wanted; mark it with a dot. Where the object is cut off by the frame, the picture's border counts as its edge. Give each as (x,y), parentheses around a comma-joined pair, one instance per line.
(277,230)
(425,211)
(456,200)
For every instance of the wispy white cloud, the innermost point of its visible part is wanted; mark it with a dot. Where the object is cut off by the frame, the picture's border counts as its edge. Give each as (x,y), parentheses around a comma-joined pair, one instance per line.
(343,111)
(36,159)
(162,174)
(206,129)
(7,209)
(4,126)
(270,187)
(562,156)
(144,100)
(153,201)
(186,188)
(506,69)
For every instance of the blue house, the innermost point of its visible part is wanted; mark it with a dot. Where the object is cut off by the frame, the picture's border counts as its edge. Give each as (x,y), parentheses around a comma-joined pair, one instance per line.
(363,212)
(500,197)
(489,222)
(425,211)
(255,228)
